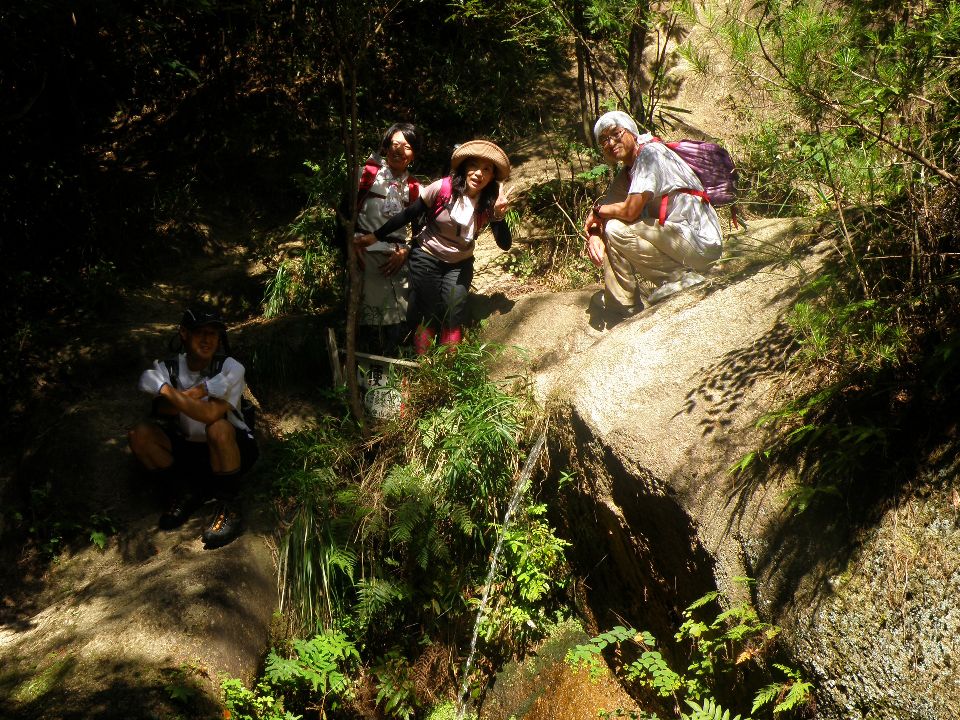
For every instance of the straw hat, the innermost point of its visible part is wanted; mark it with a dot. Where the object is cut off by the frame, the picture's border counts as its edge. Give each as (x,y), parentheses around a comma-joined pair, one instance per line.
(486,151)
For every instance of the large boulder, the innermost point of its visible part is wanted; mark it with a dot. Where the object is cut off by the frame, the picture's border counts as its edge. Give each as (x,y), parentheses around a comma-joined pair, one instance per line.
(649,416)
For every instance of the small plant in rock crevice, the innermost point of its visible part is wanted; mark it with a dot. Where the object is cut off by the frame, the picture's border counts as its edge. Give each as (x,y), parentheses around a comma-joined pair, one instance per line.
(719,650)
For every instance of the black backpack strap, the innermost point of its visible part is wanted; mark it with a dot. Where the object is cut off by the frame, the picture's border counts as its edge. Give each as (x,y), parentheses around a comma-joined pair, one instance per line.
(173,370)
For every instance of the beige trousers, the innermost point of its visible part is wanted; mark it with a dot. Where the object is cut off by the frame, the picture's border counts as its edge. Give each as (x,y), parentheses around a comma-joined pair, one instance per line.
(650,251)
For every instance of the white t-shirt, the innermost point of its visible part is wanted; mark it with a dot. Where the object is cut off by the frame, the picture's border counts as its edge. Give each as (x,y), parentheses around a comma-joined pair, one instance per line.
(232,371)
(660,171)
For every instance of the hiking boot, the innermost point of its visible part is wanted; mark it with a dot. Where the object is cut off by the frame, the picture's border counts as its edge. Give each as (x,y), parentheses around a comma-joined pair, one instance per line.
(675,283)
(423,339)
(613,312)
(177,512)
(225,527)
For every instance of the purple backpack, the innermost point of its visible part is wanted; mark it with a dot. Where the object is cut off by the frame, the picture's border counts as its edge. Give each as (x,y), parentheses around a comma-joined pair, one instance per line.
(713,165)
(715,169)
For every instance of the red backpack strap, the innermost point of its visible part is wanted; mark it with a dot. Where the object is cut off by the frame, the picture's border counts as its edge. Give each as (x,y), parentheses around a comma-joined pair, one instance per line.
(367,178)
(413,188)
(665,199)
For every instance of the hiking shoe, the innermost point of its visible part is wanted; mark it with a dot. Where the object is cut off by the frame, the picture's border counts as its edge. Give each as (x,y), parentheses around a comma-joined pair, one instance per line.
(225,527)
(612,310)
(675,283)
(178,511)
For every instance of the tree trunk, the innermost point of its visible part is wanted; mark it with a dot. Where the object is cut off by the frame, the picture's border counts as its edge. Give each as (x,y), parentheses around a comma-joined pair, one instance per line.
(637,44)
(348,89)
(583,72)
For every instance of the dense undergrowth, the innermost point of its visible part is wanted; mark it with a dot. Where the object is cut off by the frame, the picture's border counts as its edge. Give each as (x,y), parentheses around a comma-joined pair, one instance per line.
(872,145)
(386,547)
(387,540)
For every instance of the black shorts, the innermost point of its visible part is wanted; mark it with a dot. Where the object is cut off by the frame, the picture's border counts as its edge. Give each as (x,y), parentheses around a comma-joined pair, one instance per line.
(196,455)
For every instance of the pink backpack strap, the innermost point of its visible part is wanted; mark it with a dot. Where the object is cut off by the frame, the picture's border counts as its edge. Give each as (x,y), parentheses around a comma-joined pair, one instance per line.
(443,201)
(443,197)
(413,187)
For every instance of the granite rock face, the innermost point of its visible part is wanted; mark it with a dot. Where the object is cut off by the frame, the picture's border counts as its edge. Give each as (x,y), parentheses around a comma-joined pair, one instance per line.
(648,417)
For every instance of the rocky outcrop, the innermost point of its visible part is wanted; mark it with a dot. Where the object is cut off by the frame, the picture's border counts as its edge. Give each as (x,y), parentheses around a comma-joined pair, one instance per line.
(649,415)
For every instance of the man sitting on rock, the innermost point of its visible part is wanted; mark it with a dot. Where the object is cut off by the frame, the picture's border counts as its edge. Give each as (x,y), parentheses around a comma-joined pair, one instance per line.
(647,225)
(201,446)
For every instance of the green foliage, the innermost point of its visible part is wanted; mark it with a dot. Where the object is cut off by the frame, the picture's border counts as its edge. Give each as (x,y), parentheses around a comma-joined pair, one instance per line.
(396,529)
(448,711)
(588,655)
(792,693)
(257,704)
(708,710)
(532,561)
(396,690)
(307,282)
(861,334)
(181,686)
(873,122)
(310,276)
(321,662)
(553,211)
(315,673)
(53,527)
(718,649)
(822,434)
(773,177)
(101,528)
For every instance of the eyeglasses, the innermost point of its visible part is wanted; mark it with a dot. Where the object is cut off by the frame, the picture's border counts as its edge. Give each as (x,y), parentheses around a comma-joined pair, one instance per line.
(612,138)
(403,147)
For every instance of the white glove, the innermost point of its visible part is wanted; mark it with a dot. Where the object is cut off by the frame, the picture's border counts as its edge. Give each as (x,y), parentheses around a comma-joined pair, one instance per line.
(151,381)
(218,385)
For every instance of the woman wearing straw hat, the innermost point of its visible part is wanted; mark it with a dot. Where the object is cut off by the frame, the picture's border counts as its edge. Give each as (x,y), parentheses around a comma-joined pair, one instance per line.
(457,208)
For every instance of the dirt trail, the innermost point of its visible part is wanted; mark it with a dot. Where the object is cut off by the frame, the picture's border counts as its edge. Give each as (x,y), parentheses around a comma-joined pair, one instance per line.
(105,633)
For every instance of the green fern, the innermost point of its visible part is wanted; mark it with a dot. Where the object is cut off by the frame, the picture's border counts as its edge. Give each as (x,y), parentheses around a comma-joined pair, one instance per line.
(765,696)
(709,710)
(704,600)
(654,670)
(396,691)
(718,647)
(794,692)
(320,662)
(376,596)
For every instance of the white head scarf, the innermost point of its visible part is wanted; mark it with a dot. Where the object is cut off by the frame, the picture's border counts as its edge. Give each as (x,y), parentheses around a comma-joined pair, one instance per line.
(615,118)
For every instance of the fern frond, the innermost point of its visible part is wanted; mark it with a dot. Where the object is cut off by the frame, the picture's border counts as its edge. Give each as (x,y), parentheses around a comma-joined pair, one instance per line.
(709,710)
(376,596)
(765,696)
(799,694)
(703,600)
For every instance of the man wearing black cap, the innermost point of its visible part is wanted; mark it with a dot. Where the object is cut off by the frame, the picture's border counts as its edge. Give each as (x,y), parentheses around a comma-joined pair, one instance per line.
(203,446)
